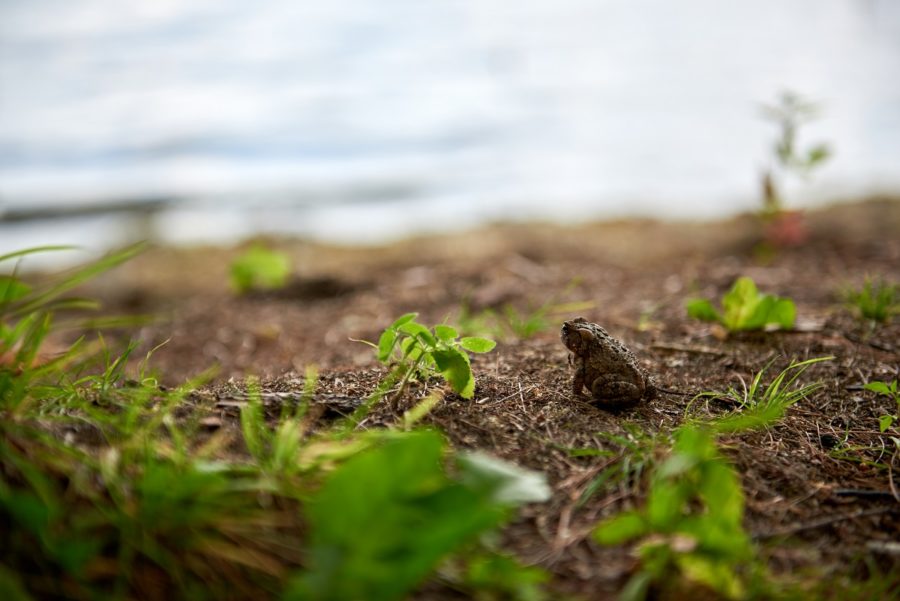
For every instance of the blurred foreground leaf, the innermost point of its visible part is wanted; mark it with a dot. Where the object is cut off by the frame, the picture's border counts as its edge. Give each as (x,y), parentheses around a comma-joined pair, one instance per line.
(385,518)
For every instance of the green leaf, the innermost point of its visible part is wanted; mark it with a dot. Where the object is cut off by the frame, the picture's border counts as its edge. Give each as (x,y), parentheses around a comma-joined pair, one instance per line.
(12,289)
(620,529)
(405,318)
(385,518)
(878,387)
(739,304)
(35,250)
(503,482)
(445,333)
(744,308)
(454,366)
(665,504)
(758,317)
(475,344)
(720,576)
(386,344)
(885,422)
(783,313)
(411,350)
(40,299)
(720,490)
(419,331)
(259,268)
(702,309)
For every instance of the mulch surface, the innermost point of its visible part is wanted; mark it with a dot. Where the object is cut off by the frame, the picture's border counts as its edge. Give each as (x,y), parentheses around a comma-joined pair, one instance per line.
(814,500)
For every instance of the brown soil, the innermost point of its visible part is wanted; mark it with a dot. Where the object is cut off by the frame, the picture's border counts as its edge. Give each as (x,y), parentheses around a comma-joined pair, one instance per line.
(637,274)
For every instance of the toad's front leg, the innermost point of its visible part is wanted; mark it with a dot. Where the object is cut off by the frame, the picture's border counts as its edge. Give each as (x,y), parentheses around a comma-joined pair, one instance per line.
(578,380)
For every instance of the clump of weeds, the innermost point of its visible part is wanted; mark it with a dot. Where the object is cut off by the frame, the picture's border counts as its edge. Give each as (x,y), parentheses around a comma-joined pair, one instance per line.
(876,301)
(760,405)
(689,535)
(111,488)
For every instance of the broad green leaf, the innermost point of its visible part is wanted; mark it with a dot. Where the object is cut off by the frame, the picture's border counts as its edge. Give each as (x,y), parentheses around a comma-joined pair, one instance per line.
(454,366)
(445,332)
(419,331)
(759,316)
(503,482)
(695,443)
(720,489)
(879,387)
(702,309)
(665,504)
(885,422)
(475,344)
(739,304)
(386,344)
(405,318)
(620,529)
(676,465)
(385,518)
(783,312)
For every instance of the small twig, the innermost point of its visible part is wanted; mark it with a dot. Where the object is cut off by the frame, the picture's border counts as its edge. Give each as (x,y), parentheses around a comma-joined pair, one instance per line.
(518,393)
(873,343)
(862,492)
(825,522)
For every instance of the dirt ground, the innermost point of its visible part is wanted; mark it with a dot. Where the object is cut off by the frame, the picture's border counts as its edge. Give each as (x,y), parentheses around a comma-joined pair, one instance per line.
(804,505)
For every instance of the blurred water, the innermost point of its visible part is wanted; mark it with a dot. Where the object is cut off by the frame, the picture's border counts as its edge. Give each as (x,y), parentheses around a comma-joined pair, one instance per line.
(360,121)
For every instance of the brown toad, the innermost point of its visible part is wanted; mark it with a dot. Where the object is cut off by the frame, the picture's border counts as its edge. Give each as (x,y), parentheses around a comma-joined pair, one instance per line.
(604,366)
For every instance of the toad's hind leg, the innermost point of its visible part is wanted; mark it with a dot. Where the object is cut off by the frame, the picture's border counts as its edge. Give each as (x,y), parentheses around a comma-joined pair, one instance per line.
(616,393)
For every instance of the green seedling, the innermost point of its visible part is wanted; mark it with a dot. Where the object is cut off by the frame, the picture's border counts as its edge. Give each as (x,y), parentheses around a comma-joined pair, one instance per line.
(385,519)
(625,467)
(888,389)
(761,405)
(789,113)
(876,301)
(745,308)
(259,268)
(690,528)
(417,351)
(874,456)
